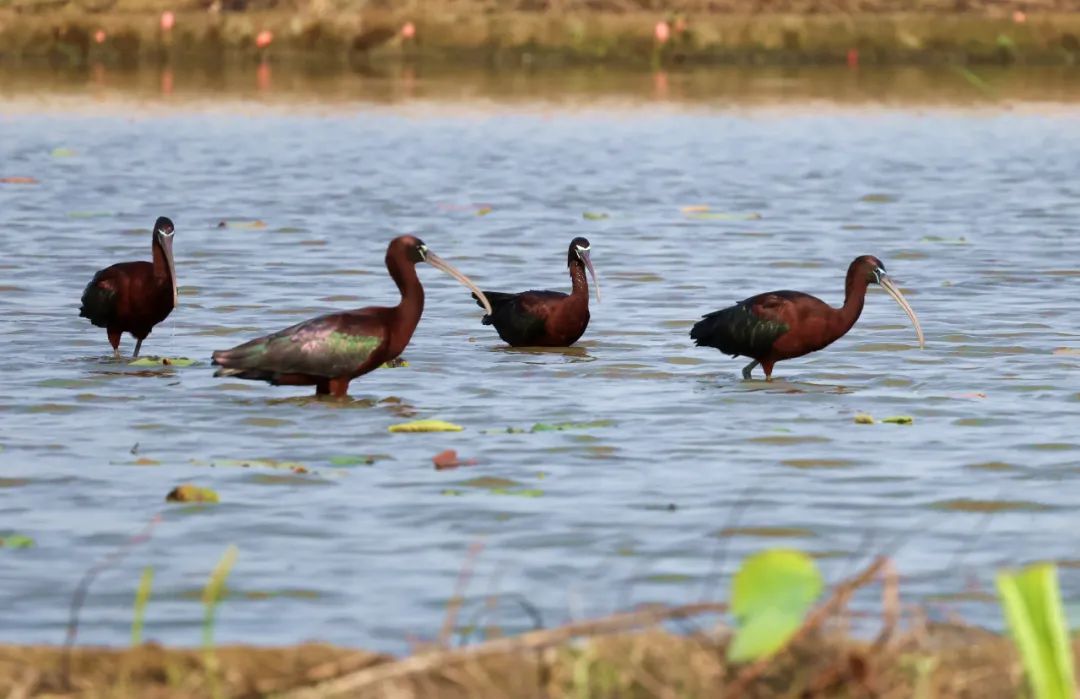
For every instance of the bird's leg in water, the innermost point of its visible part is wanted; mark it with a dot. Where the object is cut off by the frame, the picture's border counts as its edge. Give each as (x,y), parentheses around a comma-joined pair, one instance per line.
(748,368)
(138,346)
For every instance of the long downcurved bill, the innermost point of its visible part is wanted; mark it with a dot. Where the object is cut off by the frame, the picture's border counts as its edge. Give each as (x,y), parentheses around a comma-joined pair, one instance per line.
(439,263)
(888,285)
(592,271)
(166,247)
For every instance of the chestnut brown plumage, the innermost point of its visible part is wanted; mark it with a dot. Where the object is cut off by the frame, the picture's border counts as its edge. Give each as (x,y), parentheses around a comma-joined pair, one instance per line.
(782,325)
(133,297)
(331,350)
(546,318)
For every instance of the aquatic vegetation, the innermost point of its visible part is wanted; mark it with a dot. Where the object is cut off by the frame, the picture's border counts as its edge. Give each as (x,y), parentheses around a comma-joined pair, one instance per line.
(16,541)
(426,426)
(899,420)
(162,361)
(448,459)
(191,493)
(1031,601)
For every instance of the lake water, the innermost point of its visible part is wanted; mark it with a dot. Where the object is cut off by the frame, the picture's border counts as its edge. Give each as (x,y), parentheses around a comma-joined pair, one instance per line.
(971,198)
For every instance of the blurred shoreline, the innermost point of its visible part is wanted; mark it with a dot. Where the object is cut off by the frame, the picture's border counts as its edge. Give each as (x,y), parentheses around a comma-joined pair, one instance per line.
(472,33)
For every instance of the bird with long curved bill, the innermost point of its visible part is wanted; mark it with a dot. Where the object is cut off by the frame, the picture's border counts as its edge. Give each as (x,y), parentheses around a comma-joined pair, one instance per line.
(331,350)
(782,325)
(547,318)
(133,297)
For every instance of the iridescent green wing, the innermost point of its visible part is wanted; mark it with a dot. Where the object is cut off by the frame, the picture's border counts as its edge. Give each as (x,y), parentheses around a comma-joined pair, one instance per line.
(332,345)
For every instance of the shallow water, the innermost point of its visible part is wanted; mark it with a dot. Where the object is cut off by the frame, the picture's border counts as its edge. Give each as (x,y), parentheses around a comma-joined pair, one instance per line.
(974,210)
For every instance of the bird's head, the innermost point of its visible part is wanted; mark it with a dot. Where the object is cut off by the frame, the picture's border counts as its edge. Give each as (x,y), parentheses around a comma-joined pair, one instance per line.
(579,253)
(163,238)
(872,270)
(409,248)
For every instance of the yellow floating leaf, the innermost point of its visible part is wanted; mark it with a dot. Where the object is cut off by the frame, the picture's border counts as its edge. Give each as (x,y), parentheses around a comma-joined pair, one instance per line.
(899,420)
(191,493)
(426,426)
(484,211)
(1068,351)
(695,208)
(864,419)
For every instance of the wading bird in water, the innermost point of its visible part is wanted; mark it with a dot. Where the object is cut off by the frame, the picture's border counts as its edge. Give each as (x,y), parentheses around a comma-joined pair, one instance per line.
(787,324)
(546,318)
(330,351)
(133,297)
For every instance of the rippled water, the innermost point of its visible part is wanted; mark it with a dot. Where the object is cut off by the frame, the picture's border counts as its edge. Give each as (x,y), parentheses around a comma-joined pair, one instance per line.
(974,210)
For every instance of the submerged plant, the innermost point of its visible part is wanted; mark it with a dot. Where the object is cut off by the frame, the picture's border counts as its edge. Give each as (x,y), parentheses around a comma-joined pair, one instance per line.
(1031,601)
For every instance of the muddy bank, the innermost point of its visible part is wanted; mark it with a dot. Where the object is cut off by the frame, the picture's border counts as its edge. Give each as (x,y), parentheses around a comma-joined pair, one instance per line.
(938,661)
(81,32)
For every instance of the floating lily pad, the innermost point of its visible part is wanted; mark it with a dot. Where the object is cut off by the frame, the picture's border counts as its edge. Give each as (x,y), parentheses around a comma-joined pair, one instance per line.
(560,426)
(62,152)
(15,541)
(162,361)
(347,461)
(864,419)
(899,419)
(594,215)
(395,363)
(145,461)
(426,426)
(246,225)
(191,493)
(522,493)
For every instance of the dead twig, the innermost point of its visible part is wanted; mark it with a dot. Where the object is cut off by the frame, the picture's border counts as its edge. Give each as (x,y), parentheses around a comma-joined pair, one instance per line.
(837,600)
(454,605)
(535,640)
(81,590)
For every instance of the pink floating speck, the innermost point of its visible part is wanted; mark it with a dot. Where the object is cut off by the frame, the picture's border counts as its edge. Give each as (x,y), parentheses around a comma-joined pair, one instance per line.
(408,30)
(168,19)
(264,38)
(853,58)
(99,36)
(662,32)
(1019,17)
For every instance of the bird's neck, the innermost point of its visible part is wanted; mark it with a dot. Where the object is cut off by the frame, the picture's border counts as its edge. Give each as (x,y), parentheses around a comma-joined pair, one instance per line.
(854,298)
(161,265)
(408,311)
(579,282)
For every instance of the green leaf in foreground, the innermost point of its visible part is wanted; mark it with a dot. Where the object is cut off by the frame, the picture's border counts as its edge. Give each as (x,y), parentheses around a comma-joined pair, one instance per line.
(142,597)
(426,426)
(899,419)
(763,635)
(346,461)
(1031,600)
(770,595)
(16,541)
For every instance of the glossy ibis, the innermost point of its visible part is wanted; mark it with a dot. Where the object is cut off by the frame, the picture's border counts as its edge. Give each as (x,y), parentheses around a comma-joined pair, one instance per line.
(330,351)
(133,297)
(787,324)
(546,318)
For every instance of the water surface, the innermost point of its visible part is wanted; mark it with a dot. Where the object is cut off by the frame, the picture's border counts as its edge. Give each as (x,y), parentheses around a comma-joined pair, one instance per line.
(974,209)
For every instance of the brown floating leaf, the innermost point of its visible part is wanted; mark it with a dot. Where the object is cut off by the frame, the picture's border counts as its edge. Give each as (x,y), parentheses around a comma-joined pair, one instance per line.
(18,180)
(449,459)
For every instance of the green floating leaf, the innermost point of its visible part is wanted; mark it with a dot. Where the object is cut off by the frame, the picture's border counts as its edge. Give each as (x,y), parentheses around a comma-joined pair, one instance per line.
(453,492)
(864,419)
(594,216)
(395,363)
(523,493)
(16,541)
(161,361)
(346,461)
(560,426)
(62,152)
(899,420)
(1031,600)
(763,635)
(426,426)
(770,596)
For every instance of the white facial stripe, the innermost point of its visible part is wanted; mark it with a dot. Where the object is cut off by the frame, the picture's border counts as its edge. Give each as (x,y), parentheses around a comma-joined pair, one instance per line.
(167,234)
(583,249)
